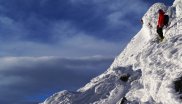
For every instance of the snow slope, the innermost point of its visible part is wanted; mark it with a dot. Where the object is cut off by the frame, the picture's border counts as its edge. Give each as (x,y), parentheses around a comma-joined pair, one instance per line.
(153,68)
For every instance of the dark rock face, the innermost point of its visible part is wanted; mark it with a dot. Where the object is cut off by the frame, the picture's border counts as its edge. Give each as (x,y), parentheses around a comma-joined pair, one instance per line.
(123,101)
(178,87)
(124,77)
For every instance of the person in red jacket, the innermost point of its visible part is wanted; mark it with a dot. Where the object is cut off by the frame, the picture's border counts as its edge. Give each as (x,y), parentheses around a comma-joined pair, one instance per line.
(160,24)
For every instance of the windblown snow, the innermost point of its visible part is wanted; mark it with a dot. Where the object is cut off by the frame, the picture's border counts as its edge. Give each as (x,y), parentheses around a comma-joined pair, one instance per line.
(154,69)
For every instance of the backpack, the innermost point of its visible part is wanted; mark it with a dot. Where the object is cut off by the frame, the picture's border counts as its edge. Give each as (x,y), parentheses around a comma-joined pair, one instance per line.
(166,20)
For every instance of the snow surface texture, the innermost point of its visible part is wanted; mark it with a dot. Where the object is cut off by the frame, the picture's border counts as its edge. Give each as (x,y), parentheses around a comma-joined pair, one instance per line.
(153,67)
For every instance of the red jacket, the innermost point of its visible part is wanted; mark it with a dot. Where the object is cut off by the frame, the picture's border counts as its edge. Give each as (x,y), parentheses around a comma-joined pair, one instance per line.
(161,19)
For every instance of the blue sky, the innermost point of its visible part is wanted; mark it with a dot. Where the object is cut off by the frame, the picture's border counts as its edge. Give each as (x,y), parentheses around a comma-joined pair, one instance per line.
(44,42)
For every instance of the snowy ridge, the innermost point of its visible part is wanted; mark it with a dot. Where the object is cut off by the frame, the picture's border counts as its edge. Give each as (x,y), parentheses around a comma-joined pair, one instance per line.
(153,68)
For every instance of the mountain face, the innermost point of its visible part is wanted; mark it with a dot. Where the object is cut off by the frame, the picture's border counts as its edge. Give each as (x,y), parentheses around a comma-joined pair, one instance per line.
(146,72)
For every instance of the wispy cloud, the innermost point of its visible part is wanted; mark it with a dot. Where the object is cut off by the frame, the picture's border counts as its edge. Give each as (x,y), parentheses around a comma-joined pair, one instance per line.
(65,40)
(47,27)
(77,46)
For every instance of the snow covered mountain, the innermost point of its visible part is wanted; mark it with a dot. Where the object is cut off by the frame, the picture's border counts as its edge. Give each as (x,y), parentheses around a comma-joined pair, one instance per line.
(146,72)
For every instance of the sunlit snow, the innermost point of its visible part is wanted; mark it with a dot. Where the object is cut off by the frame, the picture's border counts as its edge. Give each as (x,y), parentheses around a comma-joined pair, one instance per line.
(152,67)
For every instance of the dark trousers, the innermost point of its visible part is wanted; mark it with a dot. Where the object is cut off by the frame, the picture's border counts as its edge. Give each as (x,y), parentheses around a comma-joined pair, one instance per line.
(160,33)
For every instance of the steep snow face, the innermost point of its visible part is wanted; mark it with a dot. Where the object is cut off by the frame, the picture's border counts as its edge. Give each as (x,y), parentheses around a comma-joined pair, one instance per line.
(104,89)
(178,5)
(138,43)
(152,68)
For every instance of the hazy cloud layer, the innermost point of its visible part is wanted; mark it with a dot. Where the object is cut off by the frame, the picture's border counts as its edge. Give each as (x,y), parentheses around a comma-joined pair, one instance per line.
(28,79)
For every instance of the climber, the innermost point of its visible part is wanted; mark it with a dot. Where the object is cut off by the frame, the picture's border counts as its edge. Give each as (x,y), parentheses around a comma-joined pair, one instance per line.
(160,24)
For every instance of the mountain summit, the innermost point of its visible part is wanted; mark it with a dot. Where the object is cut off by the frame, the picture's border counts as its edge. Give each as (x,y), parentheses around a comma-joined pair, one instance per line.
(146,72)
